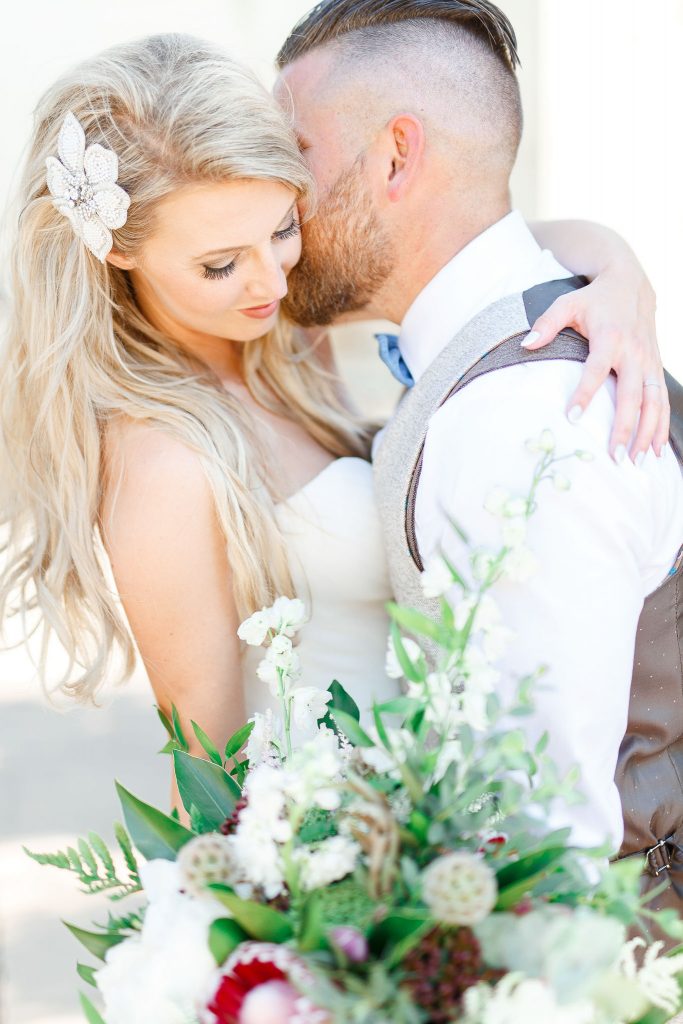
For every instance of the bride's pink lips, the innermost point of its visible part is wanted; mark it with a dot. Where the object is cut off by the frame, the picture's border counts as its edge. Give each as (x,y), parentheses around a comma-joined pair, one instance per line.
(261,312)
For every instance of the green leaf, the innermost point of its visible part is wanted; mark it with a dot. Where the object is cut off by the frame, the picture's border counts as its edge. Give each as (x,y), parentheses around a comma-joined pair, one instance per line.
(87,973)
(101,849)
(411,671)
(395,935)
(341,701)
(96,943)
(55,860)
(238,739)
(123,839)
(178,729)
(207,744)
(312,924)
(206,785)
(381,730)
(155,834)
(259,921)
(517,880)
(351,729)
(419,624)
(75,861)
(92,1015)
(225,935)
(399,706)
(87,855)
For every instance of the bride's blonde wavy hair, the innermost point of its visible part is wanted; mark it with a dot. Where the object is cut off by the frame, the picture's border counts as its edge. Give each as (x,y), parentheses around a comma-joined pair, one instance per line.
(79,352)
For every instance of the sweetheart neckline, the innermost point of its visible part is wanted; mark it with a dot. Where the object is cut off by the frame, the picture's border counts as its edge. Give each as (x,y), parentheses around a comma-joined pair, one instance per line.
(318,476)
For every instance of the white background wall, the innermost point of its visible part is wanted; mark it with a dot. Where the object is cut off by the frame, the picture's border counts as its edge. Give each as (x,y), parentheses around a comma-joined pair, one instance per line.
(603,88)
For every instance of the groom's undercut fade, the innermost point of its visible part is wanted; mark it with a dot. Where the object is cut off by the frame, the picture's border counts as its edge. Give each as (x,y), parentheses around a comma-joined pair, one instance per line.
(453,60)
(329,20)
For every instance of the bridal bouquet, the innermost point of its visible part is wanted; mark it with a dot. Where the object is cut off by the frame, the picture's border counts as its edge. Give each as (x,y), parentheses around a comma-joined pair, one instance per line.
(395,871)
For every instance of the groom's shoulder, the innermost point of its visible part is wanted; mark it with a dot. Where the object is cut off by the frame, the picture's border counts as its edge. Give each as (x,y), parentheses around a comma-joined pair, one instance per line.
(516,402)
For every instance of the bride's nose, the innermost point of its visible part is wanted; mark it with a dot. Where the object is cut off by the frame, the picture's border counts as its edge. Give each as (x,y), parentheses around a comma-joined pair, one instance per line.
(268,280)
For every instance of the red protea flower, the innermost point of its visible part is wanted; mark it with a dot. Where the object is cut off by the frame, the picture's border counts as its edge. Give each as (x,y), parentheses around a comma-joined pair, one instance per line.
(259,983)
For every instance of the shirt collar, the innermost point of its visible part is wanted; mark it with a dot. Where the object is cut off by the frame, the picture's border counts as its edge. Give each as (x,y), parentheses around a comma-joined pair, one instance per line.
(487,269)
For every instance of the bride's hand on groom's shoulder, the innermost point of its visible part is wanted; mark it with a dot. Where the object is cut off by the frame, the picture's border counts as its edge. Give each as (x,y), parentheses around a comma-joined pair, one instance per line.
(616,313)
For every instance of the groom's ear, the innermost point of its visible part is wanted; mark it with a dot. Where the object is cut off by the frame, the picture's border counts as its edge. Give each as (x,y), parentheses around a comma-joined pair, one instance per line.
(406,138)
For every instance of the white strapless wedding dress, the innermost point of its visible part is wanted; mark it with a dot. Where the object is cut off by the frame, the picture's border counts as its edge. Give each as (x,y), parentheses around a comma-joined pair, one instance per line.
(336,550)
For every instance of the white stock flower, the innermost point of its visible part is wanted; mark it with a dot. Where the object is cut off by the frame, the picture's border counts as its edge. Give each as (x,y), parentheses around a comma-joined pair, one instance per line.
(547,441)
(392,666)
(314,771)
(482,562)
(287,615)
(254,630)
(333,859)
(520,564)
(163,974)
(82,183)
(487,616)
(309,703)
(496,500)
(459,888)
(515,507)
(263,742)
(514,532)
(262,829)
(437,579)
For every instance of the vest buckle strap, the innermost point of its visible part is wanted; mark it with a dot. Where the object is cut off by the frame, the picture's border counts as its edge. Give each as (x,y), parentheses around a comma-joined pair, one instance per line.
(659,857)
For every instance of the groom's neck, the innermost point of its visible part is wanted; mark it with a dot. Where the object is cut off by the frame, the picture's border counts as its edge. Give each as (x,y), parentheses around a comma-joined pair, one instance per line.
(427,245)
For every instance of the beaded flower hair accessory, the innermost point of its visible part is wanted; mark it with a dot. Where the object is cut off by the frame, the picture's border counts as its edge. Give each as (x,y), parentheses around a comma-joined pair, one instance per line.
(83,188)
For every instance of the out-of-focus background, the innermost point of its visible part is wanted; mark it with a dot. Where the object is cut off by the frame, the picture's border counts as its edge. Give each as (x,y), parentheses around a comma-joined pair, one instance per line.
(603,89)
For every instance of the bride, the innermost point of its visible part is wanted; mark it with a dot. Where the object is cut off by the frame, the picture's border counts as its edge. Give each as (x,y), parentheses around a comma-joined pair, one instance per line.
(154,398)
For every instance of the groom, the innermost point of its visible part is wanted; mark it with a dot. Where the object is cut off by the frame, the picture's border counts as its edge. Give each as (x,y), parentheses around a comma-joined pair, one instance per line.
(409,115)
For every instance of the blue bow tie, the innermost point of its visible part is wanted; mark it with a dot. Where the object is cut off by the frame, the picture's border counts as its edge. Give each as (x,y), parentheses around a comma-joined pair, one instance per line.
(391,356)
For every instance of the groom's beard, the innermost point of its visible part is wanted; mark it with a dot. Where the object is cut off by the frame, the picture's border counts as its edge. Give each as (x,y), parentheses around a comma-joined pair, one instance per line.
(346,255)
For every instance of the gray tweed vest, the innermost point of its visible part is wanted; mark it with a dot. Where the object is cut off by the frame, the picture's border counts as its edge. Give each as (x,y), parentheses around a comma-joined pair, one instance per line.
(650,769)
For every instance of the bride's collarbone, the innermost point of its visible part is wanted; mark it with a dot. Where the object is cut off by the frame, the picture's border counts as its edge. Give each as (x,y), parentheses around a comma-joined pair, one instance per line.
(293,457)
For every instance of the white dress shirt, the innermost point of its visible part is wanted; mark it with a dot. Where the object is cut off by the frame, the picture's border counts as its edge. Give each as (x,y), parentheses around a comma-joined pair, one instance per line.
(602,546)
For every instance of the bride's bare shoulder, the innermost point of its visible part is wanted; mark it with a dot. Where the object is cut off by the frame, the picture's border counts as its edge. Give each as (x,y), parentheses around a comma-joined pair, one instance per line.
(149,474)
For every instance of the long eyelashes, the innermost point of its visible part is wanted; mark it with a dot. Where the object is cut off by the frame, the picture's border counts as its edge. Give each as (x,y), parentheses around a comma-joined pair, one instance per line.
(214,273)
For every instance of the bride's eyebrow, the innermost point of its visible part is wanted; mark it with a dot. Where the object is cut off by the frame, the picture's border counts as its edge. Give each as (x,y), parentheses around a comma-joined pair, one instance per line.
(227,250)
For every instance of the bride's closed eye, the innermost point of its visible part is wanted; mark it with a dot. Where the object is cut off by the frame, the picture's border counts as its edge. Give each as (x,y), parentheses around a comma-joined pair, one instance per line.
(214,273)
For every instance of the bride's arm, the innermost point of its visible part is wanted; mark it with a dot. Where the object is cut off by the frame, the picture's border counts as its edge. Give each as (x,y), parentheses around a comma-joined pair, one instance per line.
(171,568)
(616,312)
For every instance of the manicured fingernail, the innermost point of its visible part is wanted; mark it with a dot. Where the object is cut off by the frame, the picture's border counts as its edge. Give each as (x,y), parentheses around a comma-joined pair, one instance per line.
(620,454)
(575,414)
(531,337)
(639,458)
(664,450)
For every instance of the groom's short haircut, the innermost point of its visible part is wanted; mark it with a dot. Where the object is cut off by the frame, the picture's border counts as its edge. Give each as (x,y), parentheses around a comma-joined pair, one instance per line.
(459,56)
(329,20)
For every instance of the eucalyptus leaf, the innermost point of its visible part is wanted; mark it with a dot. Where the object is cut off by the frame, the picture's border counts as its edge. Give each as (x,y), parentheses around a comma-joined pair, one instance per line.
(258,920)
(87,973)
(206,786)
(96,943)
(155,834)
(92,1015)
